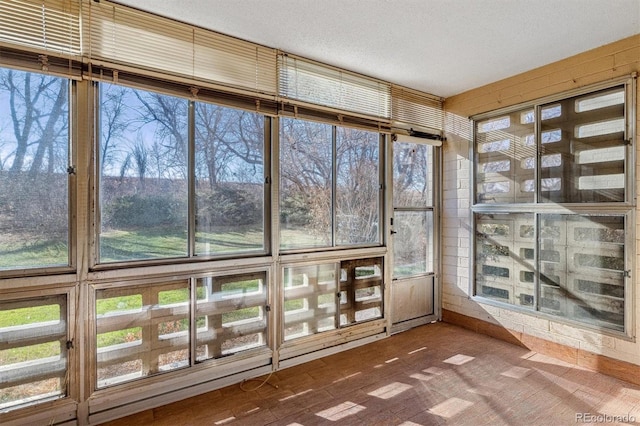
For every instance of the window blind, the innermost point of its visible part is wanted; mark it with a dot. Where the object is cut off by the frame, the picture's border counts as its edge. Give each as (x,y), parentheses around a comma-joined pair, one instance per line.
(118,35)
(113,37)
(410,107)
(303,80)
(47,26)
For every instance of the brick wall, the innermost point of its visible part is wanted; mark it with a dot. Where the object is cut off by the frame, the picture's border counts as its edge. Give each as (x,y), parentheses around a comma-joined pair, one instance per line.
(617,59)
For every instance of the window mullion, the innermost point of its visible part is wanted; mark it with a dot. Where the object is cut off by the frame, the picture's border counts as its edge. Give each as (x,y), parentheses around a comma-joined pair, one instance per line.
(538,169)
(191,161)
(536,263)
(334,184)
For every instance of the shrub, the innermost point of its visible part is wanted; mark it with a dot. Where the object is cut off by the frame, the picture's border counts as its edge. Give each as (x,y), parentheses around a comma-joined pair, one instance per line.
(228,206)
(295,211)
(137,211)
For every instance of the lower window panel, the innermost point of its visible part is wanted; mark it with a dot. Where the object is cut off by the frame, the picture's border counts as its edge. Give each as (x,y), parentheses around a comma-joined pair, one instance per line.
(582,264)
(413,243)
(309,299)
(324,297)
(145,330)
(141,331)
(360,290)
(33,350)
(574,264)
(505,247)
(230,315)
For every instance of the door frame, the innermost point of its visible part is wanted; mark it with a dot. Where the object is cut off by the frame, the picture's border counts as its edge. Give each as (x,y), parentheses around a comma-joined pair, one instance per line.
(435,275)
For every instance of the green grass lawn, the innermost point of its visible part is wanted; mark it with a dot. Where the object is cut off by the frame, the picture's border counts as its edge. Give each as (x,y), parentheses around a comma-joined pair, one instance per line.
(153,243)
(25,317)
(17,255)
(122,246)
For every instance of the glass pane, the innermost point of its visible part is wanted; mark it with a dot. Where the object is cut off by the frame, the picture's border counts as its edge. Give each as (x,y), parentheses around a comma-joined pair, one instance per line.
(412,175)
(34,156)
(33,350)
(505,253)
(143,174)
(582,267)
(230,316)
(229,174)
(306,179)
(506,158)
(357,187)
(309,299)
(587,134)
(141,331)
(360,290)
(412,243)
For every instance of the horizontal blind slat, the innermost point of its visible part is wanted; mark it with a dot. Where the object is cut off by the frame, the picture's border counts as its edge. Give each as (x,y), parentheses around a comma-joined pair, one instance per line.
(412,107)
(131,37)
(320,84)
(49,25)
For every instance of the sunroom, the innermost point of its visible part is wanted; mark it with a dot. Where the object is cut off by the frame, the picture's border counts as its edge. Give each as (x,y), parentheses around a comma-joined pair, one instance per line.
(182,209)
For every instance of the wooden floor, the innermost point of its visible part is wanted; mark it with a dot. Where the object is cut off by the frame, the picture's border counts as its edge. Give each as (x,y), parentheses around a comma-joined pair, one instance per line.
(431,375)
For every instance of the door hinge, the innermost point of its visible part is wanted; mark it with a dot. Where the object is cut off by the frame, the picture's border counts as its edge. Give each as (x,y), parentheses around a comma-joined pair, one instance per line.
(71,170)
(627,273)
(70,344)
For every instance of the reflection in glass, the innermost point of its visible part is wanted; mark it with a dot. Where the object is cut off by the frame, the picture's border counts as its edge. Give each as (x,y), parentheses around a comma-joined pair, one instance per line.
(34,182)
(309,299)
(306,178)
(588,133)
(506,158)
(143,174)
(360,290)
(412,175)
(141,331)
(229,172)
(230,315)
(505,253)
(413,242)
(357,186)
(582,268)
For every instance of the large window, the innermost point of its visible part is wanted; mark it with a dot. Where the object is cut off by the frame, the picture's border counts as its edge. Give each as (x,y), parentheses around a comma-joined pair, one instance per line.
(145,153)
(144,174)
(34,180)
(552,211)
(329,185)
(229,176)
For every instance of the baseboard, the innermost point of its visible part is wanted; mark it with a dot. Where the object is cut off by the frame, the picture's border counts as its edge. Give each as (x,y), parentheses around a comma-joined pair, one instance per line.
(602,364)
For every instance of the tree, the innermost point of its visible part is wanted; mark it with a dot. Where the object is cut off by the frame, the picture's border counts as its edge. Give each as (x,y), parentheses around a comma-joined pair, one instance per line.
(168,117)
(140,159)
(212,126)
(34,151)
(37,105)
(114,123)
(358,185)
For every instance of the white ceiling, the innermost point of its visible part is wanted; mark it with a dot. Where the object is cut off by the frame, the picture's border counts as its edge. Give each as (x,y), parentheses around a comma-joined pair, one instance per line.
(443,47)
